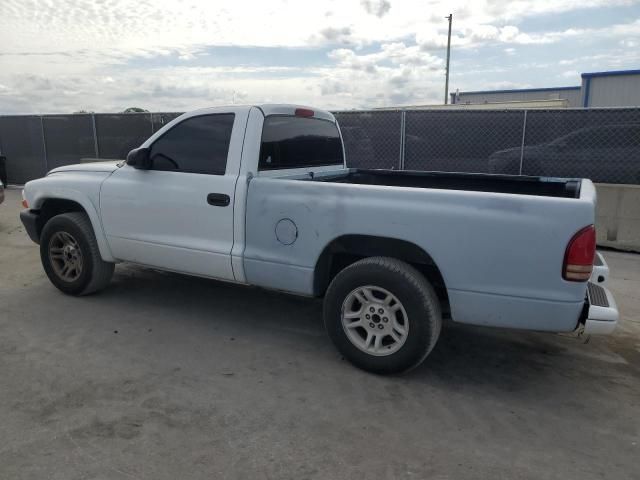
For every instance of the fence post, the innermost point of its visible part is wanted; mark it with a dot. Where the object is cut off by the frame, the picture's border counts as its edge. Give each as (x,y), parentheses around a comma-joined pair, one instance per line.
(524,130)
(95,136)
(44,145)
(402,138)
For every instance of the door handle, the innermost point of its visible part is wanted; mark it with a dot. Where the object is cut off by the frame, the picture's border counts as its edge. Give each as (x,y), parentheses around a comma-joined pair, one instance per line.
(218,199)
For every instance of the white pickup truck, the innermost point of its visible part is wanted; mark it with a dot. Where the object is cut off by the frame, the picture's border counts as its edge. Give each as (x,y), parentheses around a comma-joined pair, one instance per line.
(260,195)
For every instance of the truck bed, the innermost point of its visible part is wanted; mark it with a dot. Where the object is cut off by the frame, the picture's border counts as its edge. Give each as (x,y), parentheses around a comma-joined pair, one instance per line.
(522,185)
(498,241)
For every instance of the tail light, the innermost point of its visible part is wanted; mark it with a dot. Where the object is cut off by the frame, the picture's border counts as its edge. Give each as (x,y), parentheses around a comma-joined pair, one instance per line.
(578,258)
(25,204)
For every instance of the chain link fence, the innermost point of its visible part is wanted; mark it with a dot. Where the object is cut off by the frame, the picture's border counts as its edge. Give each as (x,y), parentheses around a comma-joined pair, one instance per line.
(117,134)
(600,144)
(22,143)
(372,139)
(603,145)
(67,138)
(460,141)
(33,145)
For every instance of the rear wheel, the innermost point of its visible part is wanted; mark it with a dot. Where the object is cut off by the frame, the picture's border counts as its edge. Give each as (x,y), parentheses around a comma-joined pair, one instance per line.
(382,315)
(70,255)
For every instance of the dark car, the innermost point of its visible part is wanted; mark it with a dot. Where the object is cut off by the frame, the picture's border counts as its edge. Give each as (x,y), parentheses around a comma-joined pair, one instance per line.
(607,154)
(3,170)
(3,176)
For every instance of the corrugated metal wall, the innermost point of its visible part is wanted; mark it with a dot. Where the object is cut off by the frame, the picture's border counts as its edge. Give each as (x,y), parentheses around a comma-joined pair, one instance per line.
(572,95)
(611,90)
(598,89)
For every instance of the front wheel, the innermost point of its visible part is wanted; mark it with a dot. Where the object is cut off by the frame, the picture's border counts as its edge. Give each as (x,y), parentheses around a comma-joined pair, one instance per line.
(382,315)
(70,255)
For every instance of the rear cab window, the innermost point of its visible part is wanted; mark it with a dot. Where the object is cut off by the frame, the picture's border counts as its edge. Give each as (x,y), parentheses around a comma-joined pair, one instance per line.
(299,142)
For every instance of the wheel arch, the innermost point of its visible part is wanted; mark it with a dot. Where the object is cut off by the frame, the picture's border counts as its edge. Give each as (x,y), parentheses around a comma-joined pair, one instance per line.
(51,205)
(347,249)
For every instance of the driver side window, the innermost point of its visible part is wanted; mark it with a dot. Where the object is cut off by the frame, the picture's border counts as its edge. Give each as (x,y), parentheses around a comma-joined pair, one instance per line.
(196,145)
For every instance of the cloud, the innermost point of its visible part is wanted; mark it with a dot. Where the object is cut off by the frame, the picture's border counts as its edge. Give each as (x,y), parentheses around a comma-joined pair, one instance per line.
(399,73)
(473,36)
(71,54)
(347,58)
(573,74)
(331,35)
(334,87)
(400,54)
(379,8)
(509,10)
(389,58)
(629,43)
(431,40)
(180,91)
(71,25)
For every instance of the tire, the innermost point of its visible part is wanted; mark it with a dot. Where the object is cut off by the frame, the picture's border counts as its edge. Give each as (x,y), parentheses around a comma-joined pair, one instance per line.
(417,300)
(69,239)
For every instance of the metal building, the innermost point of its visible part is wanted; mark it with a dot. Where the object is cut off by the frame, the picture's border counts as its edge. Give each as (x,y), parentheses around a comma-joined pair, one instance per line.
(611,89)
(514,105)
(571,94)
(599,89)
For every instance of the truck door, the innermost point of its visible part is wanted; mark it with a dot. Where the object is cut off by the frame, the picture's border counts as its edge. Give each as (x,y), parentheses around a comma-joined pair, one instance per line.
(178,215)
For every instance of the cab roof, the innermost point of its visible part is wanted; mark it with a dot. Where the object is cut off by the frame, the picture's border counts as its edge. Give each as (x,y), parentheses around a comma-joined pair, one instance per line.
(268,109)
(290,109)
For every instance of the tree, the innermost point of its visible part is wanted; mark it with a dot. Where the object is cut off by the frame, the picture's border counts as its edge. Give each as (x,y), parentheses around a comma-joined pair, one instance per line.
(135,110)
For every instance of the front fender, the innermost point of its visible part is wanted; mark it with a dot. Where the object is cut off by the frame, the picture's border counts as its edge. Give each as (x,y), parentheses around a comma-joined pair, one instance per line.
(80,187)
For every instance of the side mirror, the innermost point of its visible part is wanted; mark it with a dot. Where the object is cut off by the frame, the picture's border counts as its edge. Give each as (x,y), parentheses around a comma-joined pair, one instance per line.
(139,158)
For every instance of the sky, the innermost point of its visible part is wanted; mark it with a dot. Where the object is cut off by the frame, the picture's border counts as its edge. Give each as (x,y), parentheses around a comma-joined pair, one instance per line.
(61,56)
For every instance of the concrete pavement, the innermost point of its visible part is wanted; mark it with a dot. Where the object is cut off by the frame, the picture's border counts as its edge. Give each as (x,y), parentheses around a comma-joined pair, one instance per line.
(163,376)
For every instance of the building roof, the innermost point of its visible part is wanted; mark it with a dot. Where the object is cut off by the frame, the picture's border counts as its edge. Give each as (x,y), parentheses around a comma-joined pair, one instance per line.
(520,90)
(612,73)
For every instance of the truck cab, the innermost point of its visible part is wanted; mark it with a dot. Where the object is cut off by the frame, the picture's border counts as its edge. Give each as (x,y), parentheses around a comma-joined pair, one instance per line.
(186,210)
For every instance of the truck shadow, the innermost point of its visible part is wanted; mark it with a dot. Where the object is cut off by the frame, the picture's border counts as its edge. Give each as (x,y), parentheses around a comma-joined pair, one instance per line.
(489,359)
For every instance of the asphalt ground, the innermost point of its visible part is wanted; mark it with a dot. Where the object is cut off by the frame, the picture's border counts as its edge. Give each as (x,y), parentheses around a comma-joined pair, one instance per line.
(163,376)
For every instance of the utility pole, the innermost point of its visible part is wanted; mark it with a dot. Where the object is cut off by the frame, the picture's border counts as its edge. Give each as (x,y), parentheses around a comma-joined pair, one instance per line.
(446,82)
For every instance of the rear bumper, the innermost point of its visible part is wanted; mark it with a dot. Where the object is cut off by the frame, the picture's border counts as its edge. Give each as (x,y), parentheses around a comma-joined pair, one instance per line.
(29,219)
(600,272)
(602,312)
